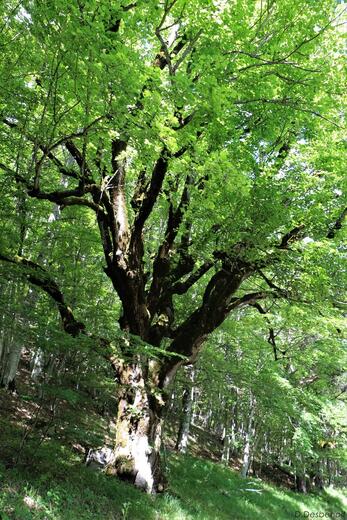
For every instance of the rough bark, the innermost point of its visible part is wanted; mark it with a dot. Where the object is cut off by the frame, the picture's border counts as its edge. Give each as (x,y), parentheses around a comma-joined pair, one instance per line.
(138,431)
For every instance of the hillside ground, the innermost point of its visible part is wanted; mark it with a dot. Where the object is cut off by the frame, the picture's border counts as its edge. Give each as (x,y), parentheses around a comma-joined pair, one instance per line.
(43,475)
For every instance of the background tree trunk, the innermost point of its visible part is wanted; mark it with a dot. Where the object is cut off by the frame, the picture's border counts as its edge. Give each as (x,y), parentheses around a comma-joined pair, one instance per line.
(301,484)
(230,432)
(10,347)
(247,452)
(10,353)
(187,410)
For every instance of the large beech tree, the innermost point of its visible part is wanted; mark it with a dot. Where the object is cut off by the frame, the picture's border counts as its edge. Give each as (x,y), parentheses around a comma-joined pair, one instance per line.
(192,136)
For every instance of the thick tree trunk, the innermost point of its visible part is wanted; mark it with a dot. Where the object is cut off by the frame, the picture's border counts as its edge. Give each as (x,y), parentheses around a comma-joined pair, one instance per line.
(138,432)
(187,410)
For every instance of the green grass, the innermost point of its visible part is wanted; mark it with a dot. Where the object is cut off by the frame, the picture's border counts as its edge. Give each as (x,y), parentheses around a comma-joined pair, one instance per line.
(62,489)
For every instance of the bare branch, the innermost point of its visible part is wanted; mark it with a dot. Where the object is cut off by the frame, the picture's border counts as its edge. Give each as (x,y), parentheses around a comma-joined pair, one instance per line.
(270,283)
(151,194)
(79,201)
(161,265)
(248,299)
(67,172)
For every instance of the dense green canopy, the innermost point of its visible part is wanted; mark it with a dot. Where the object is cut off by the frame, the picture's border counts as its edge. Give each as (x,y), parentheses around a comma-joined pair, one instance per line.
(164,165)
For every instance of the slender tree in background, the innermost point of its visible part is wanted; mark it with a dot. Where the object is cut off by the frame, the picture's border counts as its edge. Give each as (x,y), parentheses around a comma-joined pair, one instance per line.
(187,412)
(189,141)
(284,412)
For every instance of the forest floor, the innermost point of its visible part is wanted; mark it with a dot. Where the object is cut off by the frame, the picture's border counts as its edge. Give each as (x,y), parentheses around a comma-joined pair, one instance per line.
(43,477)
(199,490)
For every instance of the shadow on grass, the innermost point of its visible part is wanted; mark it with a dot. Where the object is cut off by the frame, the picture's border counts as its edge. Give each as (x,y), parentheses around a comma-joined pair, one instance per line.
(59,487)
(210,491)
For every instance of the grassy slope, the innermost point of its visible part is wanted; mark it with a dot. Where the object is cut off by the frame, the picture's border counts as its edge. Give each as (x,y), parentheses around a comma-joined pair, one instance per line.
(57,486)
(63,489)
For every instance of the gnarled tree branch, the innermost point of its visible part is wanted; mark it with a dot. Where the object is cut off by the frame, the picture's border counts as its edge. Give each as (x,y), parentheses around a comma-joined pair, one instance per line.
(38,276)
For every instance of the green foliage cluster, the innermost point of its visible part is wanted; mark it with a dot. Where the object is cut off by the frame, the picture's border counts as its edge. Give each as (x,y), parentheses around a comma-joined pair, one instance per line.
(244,103)
(296,383)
